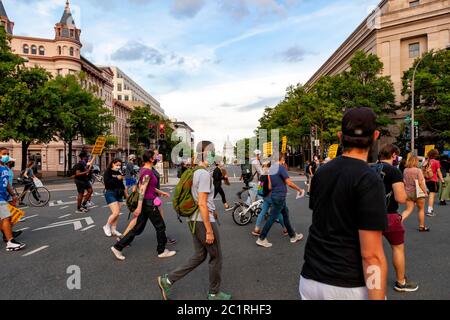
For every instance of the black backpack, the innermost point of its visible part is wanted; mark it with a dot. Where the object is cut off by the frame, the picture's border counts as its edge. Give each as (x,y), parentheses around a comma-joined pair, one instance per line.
(378,168)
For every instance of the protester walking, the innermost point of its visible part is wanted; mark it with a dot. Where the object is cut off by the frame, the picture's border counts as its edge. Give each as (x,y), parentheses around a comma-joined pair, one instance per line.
(433,175)
(444,188)
(131,171)
(345,242)
(114,195)
(84,187)
(416,191)
(6,193)
(148,209)
(280,180)
(218,178)
(205,232)
(395,233)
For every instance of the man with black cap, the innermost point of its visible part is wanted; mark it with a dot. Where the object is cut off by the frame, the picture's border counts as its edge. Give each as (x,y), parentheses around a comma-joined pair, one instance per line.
(344,256)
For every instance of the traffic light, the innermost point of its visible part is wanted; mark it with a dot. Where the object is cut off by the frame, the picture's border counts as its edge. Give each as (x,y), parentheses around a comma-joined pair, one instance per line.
(152,130)
(162,131)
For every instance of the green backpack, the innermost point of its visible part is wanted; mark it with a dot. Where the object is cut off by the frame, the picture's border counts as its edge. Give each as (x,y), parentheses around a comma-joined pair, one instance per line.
(183,200)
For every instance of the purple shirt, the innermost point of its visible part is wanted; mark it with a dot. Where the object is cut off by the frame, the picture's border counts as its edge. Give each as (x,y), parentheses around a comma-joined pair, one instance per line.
(150,193)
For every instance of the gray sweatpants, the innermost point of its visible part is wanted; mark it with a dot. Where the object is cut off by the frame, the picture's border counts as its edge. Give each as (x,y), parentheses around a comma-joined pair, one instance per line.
(201,251)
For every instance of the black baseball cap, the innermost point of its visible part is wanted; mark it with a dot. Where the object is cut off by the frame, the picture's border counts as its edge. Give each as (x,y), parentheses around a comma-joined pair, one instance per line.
(359,122)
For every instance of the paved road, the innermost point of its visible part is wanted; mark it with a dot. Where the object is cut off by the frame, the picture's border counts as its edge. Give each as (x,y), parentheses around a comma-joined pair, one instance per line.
(249,272)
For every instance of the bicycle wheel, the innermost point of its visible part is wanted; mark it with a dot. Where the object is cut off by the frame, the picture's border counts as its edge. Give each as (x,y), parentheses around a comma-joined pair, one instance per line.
(39,197)
(242,216)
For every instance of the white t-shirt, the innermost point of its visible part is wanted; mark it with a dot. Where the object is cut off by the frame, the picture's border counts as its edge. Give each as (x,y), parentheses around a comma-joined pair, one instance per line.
(203,182)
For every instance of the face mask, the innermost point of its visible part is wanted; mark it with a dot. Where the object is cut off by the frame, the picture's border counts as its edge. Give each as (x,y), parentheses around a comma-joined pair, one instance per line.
(116,168)
(5,158)
(210,157)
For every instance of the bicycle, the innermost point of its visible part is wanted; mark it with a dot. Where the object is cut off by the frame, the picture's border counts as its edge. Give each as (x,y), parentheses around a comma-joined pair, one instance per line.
(96,175)
(37,196)
(244,212)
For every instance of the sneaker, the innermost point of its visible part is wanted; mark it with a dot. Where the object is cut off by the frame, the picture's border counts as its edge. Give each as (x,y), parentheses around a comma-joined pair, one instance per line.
(118,254)
(82,210)
(263,243)
(107,231)
(164,286)
(442,203)
(297,238)
(431,214)
(167,254)
(16,234)
(219,296)
(407,287)
(116,233)
(13,245)
(90,204)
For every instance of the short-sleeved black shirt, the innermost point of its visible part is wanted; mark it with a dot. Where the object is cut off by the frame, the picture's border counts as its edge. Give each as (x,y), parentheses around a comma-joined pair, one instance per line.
(346,196)
(81,166)
(392,175)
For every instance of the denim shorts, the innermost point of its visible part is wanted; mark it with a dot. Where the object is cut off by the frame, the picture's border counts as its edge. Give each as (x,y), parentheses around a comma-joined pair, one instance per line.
(113,196)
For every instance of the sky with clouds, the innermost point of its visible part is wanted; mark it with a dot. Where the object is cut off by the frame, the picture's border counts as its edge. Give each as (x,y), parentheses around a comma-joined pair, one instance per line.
(215,64)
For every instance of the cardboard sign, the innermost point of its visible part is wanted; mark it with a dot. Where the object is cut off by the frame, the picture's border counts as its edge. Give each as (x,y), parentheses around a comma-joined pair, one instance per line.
(99,146)
(428,149)
(332,152)
(16,214)
(284,144)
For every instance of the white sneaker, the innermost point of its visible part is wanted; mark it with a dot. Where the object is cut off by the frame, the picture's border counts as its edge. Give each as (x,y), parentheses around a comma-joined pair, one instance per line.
(116,233)
(90,204)
(167,254)
(118,254)
(13,245)
(297,238)
(107,230)
(263,243)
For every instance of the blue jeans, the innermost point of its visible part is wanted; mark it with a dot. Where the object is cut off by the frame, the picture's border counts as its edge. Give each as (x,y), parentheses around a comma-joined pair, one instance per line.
(278,207)
(266,206)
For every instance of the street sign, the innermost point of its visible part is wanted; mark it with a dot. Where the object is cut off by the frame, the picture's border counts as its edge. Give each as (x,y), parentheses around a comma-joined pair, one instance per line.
(428,148)
(284,145)
(77,225)
(332,152)
(99,146)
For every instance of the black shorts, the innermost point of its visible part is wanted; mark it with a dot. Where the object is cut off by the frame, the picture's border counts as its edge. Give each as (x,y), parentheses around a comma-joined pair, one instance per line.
(432,186)
(82,186)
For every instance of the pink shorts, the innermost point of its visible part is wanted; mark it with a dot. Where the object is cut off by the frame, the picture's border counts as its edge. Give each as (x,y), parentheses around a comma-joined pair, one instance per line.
(395,233)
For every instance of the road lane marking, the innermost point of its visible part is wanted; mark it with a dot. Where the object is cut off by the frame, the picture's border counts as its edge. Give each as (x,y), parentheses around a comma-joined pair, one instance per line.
(23,229)
(62,208)
(27,218)
(65,216)
(76,223)
(87,228)
(35,251)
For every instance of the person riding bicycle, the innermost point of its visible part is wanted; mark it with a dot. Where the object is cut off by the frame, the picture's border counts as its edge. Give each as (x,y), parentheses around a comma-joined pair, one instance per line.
(27,177)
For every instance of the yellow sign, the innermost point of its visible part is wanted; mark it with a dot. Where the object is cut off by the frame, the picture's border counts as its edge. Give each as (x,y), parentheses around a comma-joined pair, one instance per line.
(268,149)
(99,146)
(16,214)
(332,152)
(428,149)
(284,145)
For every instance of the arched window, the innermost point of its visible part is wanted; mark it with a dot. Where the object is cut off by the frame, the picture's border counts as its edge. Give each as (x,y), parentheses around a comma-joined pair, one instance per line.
(33,49)
(26,49)
(71,51)
(78,53)
(59,50)
(41,51)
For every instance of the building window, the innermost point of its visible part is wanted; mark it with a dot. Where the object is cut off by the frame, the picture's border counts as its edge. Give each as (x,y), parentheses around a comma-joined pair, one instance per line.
(71,51)
(127,98)
(59,50)
(26,49)
(414,50)
(33,49)
(72,33)
(119,97)
(413,4)
(119,87)
(41,51)
(61,156)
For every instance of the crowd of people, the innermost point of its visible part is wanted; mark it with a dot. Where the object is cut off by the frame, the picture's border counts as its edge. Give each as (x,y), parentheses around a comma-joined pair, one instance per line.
(355,204)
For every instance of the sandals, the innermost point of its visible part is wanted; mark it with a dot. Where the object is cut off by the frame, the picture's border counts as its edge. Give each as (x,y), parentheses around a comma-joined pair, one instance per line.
(424,229)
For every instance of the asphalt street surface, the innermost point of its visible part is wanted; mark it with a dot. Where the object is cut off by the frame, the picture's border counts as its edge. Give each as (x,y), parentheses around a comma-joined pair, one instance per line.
(249,272)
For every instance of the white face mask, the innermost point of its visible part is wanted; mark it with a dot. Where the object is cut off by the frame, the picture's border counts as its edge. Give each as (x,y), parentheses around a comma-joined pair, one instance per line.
(116,168)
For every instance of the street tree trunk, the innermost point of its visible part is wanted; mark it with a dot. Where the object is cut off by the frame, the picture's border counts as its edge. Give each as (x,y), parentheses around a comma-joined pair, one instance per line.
(65,159)
(70,154)
(25,146)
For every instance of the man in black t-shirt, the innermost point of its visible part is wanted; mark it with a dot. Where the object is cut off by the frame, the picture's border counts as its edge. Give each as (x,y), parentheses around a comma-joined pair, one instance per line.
(82,171)
(395,233)
(344,255)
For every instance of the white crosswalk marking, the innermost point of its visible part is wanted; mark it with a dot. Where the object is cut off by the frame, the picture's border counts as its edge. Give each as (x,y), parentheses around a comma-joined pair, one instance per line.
(35,251)
(87,228)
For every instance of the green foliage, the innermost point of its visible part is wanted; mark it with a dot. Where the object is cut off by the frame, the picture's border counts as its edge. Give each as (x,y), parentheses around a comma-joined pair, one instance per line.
(432,96)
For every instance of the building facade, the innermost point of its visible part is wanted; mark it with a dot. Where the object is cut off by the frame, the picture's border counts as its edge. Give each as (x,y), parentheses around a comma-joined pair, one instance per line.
(61,56)
(131,93)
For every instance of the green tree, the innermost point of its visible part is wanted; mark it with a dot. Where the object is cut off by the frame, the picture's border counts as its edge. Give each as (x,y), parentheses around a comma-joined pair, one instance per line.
(432,96)
(24,116)
(80,113)
(10,64)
